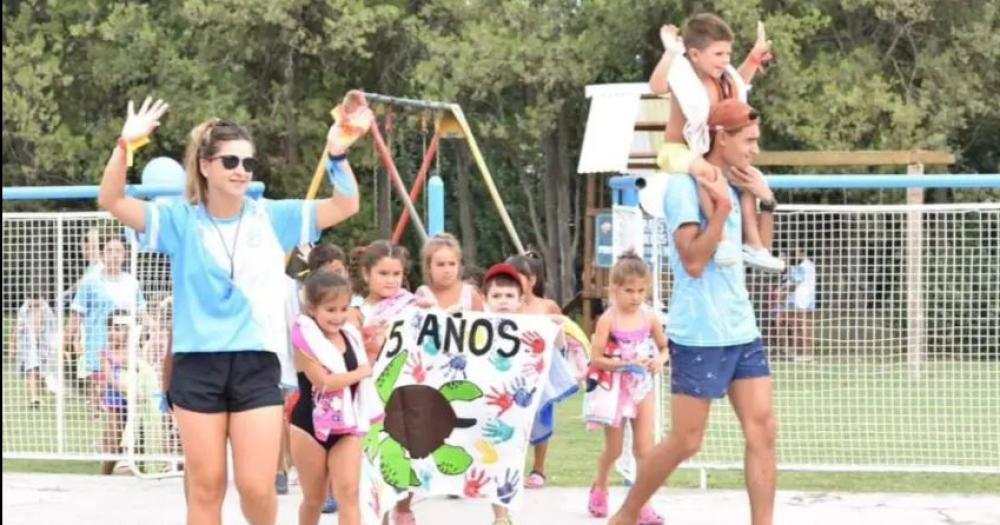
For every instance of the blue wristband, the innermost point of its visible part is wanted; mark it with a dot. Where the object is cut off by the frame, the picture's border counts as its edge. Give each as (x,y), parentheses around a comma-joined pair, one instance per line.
(634,369)
(340,180)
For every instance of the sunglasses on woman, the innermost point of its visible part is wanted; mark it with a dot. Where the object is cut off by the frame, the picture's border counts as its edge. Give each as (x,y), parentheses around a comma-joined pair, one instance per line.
(231,161)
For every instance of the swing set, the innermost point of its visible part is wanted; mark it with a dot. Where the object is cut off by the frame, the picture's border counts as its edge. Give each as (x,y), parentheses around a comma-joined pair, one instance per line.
(449,123)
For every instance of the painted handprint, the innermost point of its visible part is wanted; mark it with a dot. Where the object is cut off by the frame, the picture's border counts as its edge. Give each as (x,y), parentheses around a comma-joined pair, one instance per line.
(455,367)
(534,367)
(534,342)
(474,480)
(508,489)
(416,368)
(430,346)
(522,396)
(488,454)
(376,504)
(417,321)
(498,431)
(425,478)
(500,399)
(501,363)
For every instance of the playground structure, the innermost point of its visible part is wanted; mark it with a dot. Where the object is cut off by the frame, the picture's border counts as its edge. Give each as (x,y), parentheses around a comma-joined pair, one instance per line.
(449,123)
(893,301)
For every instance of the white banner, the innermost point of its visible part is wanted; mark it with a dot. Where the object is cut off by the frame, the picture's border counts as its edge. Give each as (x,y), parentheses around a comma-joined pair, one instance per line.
(460,394)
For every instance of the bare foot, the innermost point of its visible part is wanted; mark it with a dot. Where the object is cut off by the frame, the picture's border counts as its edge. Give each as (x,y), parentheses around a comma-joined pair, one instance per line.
(620,518)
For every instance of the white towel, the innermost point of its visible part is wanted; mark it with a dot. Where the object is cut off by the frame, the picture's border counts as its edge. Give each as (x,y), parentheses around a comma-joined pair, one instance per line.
(687,89)
(358,411)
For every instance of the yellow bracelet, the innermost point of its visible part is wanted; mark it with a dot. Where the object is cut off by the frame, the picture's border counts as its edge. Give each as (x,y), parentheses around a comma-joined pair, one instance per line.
(132,146)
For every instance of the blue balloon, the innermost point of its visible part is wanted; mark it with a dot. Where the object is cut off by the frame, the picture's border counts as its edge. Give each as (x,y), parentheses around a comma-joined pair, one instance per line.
(163,171)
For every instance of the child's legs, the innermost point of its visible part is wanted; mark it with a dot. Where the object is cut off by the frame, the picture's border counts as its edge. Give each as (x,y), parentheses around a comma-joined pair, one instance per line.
(33,381)
(541,450)
(705,202)
(704,172)
(808,322)
(256,441)
(114,421)
(642,428)
(148,416)
(748,211)
(344,465)
(310,460)
(612,449)
(111,437)
(793,329)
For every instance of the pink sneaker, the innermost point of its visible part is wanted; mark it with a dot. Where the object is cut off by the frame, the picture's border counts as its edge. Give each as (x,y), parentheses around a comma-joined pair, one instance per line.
(648,516)
(598,503)
(403,518)
(536,480)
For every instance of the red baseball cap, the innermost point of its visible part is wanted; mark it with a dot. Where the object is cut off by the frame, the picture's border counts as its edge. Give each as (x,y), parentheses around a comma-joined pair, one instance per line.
(502,269)
(732,115)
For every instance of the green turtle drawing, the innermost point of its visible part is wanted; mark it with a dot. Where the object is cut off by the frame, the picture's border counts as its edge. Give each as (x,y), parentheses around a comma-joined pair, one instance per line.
(418,406)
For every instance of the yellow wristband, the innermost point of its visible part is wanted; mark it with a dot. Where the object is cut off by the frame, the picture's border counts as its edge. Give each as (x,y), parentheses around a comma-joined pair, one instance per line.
(132,146)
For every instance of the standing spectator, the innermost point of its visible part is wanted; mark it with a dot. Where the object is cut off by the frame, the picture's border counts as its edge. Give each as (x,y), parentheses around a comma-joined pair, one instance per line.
(801,304)
(106,290)
(34,341)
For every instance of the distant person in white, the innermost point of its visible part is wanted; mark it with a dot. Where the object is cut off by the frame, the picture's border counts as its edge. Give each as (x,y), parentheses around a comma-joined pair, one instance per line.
(801,305)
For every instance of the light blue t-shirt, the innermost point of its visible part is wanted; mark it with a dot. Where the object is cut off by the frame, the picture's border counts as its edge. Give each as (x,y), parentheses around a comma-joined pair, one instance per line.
(213,313)
(714,309)
(97,296)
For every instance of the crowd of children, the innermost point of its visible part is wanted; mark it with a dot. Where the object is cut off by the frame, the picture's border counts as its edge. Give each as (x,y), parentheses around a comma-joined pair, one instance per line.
(337,331)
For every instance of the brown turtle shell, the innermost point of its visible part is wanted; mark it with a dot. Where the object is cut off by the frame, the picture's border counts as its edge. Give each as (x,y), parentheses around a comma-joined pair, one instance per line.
(419,418)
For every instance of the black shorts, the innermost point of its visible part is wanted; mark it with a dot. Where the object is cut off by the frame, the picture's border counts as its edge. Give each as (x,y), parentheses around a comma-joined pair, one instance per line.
(212,382)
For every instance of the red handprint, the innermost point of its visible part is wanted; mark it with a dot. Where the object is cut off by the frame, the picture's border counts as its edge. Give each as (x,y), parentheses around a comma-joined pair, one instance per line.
(534,341)
(534,367)
(474,480)
(375,503)
(500,399)
(416,368)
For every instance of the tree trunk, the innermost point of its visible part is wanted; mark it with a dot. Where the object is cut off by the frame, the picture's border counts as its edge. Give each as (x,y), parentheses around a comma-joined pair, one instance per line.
(552,188)
(291,126)
(466,224)
(564,212)
(530,187)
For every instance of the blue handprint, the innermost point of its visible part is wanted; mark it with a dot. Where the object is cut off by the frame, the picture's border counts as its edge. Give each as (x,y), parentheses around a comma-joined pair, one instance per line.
(430,346)
(522,396)
(417,321)
(497,431)
(455,367)
(508,489)
(425,479)
(501,363)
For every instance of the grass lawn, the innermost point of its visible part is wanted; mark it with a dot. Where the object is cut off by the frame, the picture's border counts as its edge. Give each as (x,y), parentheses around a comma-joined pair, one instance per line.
(573,453)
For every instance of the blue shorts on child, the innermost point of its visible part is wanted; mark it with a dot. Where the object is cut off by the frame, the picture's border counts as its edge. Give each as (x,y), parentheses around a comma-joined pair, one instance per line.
(707,371)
